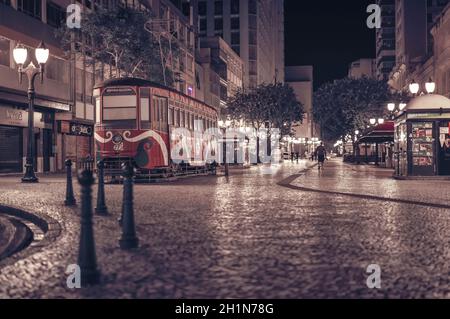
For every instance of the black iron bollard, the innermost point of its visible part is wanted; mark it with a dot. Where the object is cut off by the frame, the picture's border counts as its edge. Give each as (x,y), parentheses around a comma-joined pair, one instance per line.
(128,239)
(101,208)
(87,260)
(70,199)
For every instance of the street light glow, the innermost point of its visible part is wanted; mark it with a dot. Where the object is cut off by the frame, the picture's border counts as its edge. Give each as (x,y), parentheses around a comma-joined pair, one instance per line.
(414,87)
(391,107)
(372,121)
(41,53)
(430,86)
(380,121)
(20,54)
(402,106)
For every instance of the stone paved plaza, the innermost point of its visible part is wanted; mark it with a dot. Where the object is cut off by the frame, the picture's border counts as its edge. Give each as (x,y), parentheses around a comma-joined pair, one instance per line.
(265,232)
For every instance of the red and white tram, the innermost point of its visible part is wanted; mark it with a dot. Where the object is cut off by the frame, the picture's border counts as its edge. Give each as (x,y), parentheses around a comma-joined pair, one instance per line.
(136,120)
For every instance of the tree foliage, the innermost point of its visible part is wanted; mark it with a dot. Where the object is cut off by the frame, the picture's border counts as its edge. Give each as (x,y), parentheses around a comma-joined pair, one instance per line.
(269,105)
(345,105)
(117,37)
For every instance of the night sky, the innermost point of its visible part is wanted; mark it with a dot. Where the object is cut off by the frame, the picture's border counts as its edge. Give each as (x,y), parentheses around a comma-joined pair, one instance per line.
(327,34)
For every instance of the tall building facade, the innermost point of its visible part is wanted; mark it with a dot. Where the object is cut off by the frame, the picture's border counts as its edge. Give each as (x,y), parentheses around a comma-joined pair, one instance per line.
(441,36)
(414,41)
(301,79)
(223,71)
(385,40)
(254,30)
(362,67)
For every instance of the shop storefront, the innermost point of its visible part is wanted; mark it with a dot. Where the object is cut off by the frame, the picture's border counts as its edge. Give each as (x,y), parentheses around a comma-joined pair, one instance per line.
(76,141)
(376,145)
(422,137)
(13,139)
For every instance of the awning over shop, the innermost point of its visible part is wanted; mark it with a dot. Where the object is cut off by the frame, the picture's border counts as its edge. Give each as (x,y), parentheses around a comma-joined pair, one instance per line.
(382,133)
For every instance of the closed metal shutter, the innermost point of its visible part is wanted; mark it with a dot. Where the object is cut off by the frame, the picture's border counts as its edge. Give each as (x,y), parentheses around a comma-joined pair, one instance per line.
(10,149)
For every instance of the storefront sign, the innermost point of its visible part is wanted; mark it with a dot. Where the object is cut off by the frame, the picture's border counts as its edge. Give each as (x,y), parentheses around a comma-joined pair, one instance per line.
(428,116)
(17,117)
(80,129)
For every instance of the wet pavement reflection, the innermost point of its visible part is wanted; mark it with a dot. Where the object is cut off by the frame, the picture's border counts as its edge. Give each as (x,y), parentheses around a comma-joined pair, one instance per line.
(246,236)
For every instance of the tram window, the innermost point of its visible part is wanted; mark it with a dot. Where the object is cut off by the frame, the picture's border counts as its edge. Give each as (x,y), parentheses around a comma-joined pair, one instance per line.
(164,111)
(97,110)
(119,108)
(171,115)
(177,117)
(145,113)
(181,118)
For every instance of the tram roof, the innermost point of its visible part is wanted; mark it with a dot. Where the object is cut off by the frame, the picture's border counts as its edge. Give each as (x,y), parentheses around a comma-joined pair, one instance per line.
(128,81)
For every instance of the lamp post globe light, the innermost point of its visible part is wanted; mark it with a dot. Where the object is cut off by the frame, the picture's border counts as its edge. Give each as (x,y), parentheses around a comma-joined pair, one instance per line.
(430,86)
(373,121)
(414,87)
(380,121)
(20,55)
(391,107)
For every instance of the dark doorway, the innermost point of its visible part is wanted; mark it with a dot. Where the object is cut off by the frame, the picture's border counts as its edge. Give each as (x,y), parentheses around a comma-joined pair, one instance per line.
(47,149)
(11,149)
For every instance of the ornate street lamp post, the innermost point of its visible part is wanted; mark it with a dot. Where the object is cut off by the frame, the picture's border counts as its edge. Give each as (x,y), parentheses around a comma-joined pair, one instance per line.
(224,125)
(20,56)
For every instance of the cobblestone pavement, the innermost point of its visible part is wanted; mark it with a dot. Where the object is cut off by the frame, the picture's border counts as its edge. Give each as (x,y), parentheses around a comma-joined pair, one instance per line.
(243,237)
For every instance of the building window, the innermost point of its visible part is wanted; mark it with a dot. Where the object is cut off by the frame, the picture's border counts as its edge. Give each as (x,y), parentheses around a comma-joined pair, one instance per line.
(253,68)
(55,15)
(234,6)
(4,52)
(252,6)
(218,24)
(237,49)
(235,23)
(218,7)
(235,38)
(252,52)
(56,69)
(252,23)
(30,7)
(202,24)
(190,62)
(182,62)
(252,37)
(202,8)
